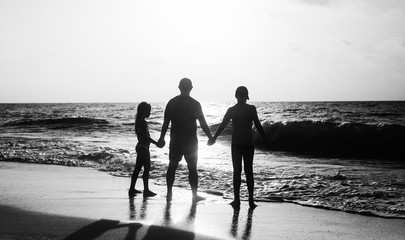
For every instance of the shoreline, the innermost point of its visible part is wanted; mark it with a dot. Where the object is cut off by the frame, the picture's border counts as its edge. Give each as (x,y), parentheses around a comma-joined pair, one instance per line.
(216,193)
(37,200)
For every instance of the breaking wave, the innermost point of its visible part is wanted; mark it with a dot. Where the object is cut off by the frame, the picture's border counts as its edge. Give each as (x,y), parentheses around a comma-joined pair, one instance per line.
(60,123)
(324,139)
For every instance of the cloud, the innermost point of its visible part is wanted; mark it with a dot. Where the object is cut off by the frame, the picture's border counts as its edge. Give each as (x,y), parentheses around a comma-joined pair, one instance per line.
(347,42)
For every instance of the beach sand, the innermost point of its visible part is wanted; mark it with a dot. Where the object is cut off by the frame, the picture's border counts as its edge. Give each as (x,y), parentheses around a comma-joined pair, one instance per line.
(56,202)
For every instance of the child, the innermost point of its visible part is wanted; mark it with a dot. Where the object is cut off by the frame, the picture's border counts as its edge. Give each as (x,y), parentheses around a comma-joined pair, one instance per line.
(242,116)
(142,151)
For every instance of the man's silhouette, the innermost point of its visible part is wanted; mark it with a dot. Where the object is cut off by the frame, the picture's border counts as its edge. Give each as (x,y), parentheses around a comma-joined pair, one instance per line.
(182,112)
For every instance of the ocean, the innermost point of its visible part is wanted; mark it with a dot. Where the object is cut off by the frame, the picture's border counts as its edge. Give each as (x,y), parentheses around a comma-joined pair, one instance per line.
(345,156)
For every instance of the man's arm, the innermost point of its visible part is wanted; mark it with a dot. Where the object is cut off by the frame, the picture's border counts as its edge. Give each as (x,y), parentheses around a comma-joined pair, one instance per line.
(154,142)
(203,123)
(161,142)
(204,126)
(221,127)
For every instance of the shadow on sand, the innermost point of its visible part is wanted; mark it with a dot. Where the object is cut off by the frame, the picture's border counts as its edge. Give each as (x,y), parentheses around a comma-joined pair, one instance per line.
(100,227)
(136,230)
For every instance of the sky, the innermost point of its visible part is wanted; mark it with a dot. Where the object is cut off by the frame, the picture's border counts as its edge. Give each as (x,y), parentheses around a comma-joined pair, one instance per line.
(132,51)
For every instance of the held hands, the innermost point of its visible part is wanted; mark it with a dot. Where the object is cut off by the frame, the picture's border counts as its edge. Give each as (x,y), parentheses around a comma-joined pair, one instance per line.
(211,141)
(161,143)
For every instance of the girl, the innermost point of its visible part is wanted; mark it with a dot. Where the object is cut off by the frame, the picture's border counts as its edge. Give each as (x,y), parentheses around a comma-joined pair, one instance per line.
(142,151)
(242,115)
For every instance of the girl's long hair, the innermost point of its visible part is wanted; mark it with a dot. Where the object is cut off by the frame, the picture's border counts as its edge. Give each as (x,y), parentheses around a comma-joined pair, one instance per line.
(143,107)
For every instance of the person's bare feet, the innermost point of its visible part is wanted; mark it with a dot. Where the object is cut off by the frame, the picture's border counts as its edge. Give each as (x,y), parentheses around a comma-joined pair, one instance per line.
(149,194)
(133,192)
(235,204)
(197,198)
(252,204)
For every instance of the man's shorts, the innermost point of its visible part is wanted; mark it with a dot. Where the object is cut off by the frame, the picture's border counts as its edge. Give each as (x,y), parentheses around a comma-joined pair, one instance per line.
(190,153)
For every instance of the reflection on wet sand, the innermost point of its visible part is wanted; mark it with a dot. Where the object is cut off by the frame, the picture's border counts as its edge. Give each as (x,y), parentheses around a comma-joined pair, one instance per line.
(235,224)
(170,214)
(167,218)
(132,209)
(186,223)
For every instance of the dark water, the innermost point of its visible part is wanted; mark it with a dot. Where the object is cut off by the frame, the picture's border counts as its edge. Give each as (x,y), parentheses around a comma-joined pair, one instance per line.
(338,155)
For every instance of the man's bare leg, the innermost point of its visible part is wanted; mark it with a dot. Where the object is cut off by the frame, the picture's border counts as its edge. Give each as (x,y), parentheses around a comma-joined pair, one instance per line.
(193,180)
(170,175)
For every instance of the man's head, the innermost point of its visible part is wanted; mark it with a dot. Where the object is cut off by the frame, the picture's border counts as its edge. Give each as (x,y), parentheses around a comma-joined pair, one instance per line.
(185,85)
(242,93)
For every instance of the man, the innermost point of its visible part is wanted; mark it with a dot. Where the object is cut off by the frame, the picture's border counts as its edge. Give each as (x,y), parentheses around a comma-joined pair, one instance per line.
(182,112)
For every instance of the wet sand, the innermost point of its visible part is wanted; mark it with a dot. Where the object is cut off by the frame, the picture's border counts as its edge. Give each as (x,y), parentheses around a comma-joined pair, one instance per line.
(55,202)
